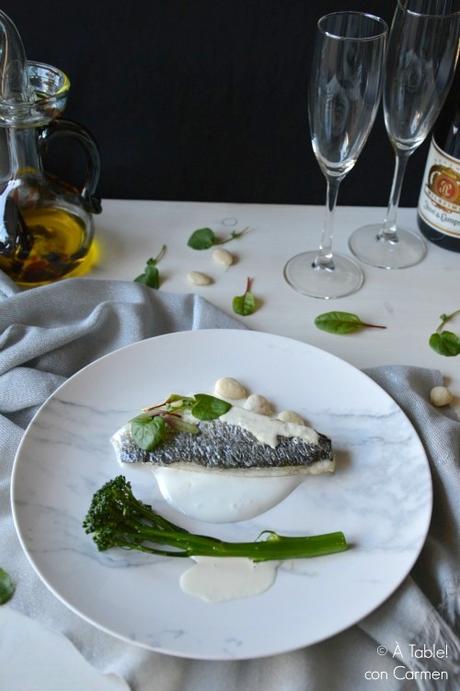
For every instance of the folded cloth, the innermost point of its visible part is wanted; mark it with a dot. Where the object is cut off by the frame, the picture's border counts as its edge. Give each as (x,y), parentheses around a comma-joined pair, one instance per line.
(49,333)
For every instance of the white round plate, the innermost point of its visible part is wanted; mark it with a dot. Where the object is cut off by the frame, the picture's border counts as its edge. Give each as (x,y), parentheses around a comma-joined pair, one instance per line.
(380,497)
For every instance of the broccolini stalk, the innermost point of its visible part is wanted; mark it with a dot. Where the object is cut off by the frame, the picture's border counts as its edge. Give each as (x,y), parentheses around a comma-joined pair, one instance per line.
(117,519)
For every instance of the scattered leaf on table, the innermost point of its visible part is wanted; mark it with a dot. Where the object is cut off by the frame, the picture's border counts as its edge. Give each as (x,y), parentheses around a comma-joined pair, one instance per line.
(204,238)
(7,587)
(245,304)
(151,275)
(443,342)
(342,323)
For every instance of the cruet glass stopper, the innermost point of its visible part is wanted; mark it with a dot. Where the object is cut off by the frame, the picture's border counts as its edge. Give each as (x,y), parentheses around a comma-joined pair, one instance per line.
(14,82)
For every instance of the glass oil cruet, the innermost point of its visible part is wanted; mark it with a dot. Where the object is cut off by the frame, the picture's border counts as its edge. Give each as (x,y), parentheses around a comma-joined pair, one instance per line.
(46,225)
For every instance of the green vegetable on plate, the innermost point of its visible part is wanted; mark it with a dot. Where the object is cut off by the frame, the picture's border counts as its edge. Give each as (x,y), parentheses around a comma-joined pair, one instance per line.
(116,518)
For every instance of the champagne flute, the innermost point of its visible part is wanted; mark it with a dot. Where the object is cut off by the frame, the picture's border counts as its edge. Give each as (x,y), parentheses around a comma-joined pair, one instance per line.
(344,94)
(420,65)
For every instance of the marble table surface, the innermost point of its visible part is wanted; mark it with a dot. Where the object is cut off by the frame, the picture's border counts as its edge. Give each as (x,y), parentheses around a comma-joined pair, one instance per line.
(408,302)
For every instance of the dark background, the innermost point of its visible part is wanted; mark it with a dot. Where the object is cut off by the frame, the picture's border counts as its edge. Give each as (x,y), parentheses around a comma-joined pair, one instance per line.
(201,99)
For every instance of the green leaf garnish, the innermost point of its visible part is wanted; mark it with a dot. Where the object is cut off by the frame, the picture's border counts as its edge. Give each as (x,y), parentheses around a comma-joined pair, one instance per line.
(179,425)
(245,304)
(156,423)
(7,587)
(148,432)
(208,407)
(151,275)
(445,342)
(342,323)
(204,238)
(176,403)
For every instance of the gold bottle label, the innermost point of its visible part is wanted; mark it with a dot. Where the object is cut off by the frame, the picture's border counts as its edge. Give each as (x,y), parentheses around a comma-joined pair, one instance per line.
(439,202)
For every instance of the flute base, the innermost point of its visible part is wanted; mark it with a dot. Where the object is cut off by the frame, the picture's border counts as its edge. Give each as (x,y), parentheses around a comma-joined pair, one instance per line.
(370,246)
(307,278)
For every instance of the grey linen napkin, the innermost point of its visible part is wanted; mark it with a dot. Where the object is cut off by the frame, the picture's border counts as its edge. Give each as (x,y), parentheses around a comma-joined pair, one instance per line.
(49,333)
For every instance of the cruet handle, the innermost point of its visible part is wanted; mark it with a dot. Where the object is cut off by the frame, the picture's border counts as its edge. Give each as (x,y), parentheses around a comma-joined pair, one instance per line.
(68,128)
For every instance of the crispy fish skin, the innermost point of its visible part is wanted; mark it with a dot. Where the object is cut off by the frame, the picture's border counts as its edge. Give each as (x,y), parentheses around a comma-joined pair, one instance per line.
(223,446)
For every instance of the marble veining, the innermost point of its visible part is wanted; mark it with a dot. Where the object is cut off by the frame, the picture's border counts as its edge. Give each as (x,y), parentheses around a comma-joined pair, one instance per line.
(380,496)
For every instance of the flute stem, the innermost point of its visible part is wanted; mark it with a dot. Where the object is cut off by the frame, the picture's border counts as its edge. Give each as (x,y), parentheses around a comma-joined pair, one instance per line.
(389,231)
(325,259)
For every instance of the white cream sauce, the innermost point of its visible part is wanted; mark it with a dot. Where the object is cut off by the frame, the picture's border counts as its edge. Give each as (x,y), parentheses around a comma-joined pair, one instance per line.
(267,429)
(291,416)
(220,496)
(218,579)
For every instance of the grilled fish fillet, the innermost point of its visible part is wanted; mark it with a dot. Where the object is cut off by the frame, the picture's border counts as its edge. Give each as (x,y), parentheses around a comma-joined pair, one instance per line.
(220,445)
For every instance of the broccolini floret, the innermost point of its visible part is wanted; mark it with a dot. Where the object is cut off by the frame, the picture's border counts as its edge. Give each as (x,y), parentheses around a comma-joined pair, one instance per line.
(117,519)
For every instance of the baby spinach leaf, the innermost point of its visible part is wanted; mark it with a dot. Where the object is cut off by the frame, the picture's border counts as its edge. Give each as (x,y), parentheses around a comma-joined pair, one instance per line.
(204,238)
(342,323)
(7,587)
(208,407)
(445,343)
(148,432)
(151,275)
(245,304)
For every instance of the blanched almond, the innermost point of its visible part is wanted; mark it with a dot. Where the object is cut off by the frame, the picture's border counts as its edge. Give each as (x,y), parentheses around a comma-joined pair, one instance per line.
(230,388)
(197,278)
(223,257)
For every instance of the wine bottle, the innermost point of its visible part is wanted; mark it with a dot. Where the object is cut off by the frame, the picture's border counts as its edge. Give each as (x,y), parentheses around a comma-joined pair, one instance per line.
(439,202)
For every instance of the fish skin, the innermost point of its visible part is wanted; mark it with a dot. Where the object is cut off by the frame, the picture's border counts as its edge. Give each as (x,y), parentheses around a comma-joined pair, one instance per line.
(223,446)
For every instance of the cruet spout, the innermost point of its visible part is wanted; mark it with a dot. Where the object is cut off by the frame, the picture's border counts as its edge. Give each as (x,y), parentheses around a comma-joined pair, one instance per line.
(14,82)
